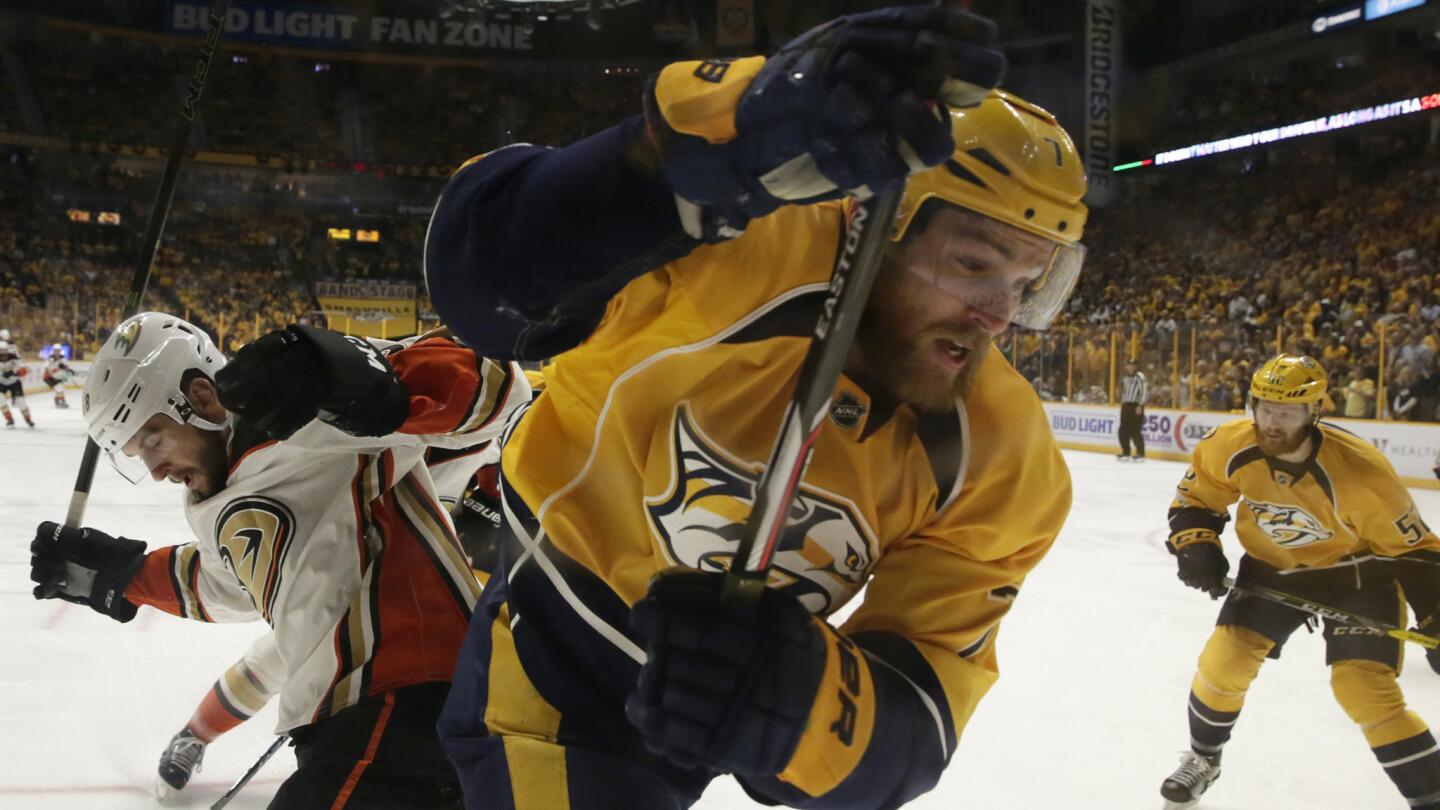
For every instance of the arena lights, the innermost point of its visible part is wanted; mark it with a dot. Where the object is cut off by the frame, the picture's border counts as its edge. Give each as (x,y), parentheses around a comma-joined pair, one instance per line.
(1318,126)
(1375,9)
(98,217)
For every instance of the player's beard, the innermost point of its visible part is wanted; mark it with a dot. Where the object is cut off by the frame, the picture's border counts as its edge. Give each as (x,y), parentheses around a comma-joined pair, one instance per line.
(213,466)
(897,345)
(1282,443)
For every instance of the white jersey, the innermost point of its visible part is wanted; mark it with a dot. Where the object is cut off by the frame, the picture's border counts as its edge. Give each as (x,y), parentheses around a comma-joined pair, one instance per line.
(57,369)
(330,538)
(260,673)
(10,364)
(453,470)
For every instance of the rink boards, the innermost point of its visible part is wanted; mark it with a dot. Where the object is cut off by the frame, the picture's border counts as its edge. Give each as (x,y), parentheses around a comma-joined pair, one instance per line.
(1412,447)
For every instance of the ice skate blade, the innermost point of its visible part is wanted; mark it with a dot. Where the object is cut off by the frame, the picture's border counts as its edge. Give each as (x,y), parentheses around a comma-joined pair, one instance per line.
(1171,805)
(164,791)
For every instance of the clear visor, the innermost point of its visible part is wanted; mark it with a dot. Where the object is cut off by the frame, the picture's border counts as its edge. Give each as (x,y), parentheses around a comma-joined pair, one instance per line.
(144,450)
(1030,298)
(125,432)
(1273,414)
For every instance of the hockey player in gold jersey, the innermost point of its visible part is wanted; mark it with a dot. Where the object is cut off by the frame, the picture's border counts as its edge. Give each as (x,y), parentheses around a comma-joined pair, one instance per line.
(1322,515)
(676,269)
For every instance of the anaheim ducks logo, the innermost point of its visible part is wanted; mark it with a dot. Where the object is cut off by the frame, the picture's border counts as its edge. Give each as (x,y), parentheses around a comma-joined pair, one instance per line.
(824,555)
(1288,526)
(254,535)
(125,339)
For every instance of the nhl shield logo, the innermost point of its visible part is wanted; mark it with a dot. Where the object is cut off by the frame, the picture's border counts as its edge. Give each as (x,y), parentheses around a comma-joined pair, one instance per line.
(847,411)
(823,557)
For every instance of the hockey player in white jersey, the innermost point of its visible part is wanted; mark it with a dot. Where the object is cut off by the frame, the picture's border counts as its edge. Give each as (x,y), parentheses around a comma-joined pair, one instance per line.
(12,385)
(244,688)
(57,374)
(328,529)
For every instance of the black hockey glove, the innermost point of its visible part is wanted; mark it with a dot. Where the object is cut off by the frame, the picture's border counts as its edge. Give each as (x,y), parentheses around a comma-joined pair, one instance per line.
(85,566)
(728,687)
(1203,567)
(477,521)
(293,375)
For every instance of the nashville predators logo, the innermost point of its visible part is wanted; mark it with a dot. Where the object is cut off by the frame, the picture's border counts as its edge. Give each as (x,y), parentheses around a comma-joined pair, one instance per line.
(823,557)
(254,536)
(1288,526)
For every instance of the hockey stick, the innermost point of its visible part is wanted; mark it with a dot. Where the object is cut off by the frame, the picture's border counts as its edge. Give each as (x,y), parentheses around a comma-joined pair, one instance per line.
(855,270)
(1333,614)
(248,775)
(159,212)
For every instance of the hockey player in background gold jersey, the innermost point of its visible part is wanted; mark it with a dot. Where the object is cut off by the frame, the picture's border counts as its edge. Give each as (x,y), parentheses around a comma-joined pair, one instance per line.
(1322,515)
(680,313)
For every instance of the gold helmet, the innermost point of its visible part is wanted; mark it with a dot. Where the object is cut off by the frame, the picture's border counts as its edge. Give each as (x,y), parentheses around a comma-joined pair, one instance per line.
(1289,379)
(1013,162)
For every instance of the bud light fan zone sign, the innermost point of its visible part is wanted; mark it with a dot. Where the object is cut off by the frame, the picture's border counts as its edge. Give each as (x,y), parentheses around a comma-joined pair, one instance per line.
(1411,447)
(340,28)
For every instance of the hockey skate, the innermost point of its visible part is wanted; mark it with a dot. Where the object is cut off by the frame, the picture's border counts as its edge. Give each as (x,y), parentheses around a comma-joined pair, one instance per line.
(1183,788)
(180,761)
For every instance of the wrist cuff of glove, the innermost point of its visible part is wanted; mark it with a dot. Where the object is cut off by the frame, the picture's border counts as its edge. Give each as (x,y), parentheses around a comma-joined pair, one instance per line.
(842,719)
(699,98)
(690,118)
(107,594)
(1189,537)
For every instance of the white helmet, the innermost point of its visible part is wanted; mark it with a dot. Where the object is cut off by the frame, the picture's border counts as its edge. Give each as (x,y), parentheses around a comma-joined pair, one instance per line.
(139,373)
(4,335)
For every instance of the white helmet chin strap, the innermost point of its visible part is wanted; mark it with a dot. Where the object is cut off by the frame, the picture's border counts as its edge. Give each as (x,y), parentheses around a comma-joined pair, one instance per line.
(188,415)
(202,423)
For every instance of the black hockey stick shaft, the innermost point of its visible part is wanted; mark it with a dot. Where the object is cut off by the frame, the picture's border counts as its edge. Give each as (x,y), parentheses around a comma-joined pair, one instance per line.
(159,212)
(249,774)
(1332,613)
(850,283)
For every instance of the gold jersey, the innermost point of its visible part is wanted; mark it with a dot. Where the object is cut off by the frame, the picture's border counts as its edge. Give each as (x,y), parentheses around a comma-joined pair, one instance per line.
(642,451)
(1343,501)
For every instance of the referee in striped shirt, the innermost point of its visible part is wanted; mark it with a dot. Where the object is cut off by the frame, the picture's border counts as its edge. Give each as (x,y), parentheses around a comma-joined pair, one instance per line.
(1133,393)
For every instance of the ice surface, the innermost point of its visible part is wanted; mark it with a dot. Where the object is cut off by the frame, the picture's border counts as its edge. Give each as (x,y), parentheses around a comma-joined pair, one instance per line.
(1089,712)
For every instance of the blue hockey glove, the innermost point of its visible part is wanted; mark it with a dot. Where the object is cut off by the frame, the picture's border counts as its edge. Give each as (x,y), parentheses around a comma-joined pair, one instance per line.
(848,107)
(85,566)
(749,689)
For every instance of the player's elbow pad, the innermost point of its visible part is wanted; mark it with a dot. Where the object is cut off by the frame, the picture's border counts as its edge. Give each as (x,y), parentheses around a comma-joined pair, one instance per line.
(884,743)
(470,276)
(527,245)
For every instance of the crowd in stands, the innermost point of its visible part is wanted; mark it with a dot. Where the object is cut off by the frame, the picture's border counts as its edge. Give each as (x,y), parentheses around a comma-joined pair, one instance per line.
(292,108)
(1231,105)
(448,114)
(1203,275)
(229,270)
(98,88)
(274,106)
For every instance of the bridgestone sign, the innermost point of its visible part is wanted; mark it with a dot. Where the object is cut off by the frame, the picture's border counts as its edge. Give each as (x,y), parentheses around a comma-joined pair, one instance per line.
(1102,93)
